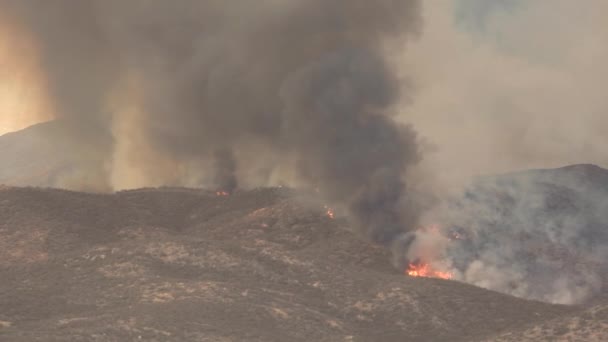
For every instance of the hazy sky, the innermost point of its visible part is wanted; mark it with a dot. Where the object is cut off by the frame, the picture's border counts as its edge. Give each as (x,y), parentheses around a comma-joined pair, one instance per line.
(21,98)
(504,85)
(498,84)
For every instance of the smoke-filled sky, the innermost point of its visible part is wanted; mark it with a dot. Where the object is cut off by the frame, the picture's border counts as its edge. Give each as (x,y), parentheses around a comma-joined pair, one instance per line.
(515,84)
(504,85)
(231,94)
(507,85)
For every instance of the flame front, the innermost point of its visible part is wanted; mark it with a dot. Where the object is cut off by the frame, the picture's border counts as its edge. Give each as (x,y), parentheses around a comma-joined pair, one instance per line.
(222,193)
(425,270)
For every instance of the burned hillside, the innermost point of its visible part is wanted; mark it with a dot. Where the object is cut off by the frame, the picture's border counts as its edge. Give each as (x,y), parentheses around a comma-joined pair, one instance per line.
(536,234)
(180,264)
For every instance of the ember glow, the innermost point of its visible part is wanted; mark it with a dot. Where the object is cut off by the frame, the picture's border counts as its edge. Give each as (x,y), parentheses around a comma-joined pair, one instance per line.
(330,212)
(222,193)
(421,269)
(454,235)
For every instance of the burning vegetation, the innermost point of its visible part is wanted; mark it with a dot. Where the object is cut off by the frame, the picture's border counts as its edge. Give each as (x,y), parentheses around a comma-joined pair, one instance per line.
(330,212)
(424,252)
(422,269)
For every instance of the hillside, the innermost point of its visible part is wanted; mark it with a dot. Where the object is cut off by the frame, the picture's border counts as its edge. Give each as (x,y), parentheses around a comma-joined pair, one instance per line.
(30,157)
(542,234)
(590,325)
(187,265)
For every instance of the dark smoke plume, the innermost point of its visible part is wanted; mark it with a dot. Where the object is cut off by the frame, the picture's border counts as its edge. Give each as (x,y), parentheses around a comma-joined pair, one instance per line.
(219,81)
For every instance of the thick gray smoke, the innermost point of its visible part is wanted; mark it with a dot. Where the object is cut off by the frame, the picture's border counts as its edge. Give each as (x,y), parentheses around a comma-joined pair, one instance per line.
(539,234)
(300,84)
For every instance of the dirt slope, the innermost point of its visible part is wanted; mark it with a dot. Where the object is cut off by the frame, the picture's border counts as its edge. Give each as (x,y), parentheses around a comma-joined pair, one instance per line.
(590,325)
(30,157)
(186,265)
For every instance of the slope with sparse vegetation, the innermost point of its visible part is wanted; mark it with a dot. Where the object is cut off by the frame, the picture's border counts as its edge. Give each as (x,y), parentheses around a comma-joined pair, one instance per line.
(187,265)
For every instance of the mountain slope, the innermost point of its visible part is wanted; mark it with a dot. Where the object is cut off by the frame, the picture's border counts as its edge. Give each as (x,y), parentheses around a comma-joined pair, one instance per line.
(187,265)
(590,325)
(30,159)
(538,234)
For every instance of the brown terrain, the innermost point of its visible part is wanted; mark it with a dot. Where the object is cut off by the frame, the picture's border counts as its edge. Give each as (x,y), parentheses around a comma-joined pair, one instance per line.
(176,264)
(29,159)
(588,325)
(261,265)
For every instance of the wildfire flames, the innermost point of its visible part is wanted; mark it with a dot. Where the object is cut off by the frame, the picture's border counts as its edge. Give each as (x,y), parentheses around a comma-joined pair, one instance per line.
(330,212)
(420,269)
(222,193)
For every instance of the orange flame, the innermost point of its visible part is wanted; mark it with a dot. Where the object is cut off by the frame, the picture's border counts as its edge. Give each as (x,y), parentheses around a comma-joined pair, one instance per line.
(222,193)
(425,270)
(330,212)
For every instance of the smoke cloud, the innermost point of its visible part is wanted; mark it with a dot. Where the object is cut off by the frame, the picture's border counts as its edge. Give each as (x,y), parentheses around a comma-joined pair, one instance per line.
(185,93)
(501,86)
(22,97)
(539,234)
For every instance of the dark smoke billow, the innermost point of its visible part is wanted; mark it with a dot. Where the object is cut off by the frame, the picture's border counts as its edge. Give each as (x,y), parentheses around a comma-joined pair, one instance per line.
(305,85)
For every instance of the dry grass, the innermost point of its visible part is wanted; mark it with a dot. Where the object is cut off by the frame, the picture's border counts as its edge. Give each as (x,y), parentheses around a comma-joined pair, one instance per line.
(185,265)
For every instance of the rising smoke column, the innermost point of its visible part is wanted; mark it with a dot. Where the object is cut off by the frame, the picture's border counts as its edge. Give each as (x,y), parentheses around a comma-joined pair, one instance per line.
(355,152)
(305,80)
